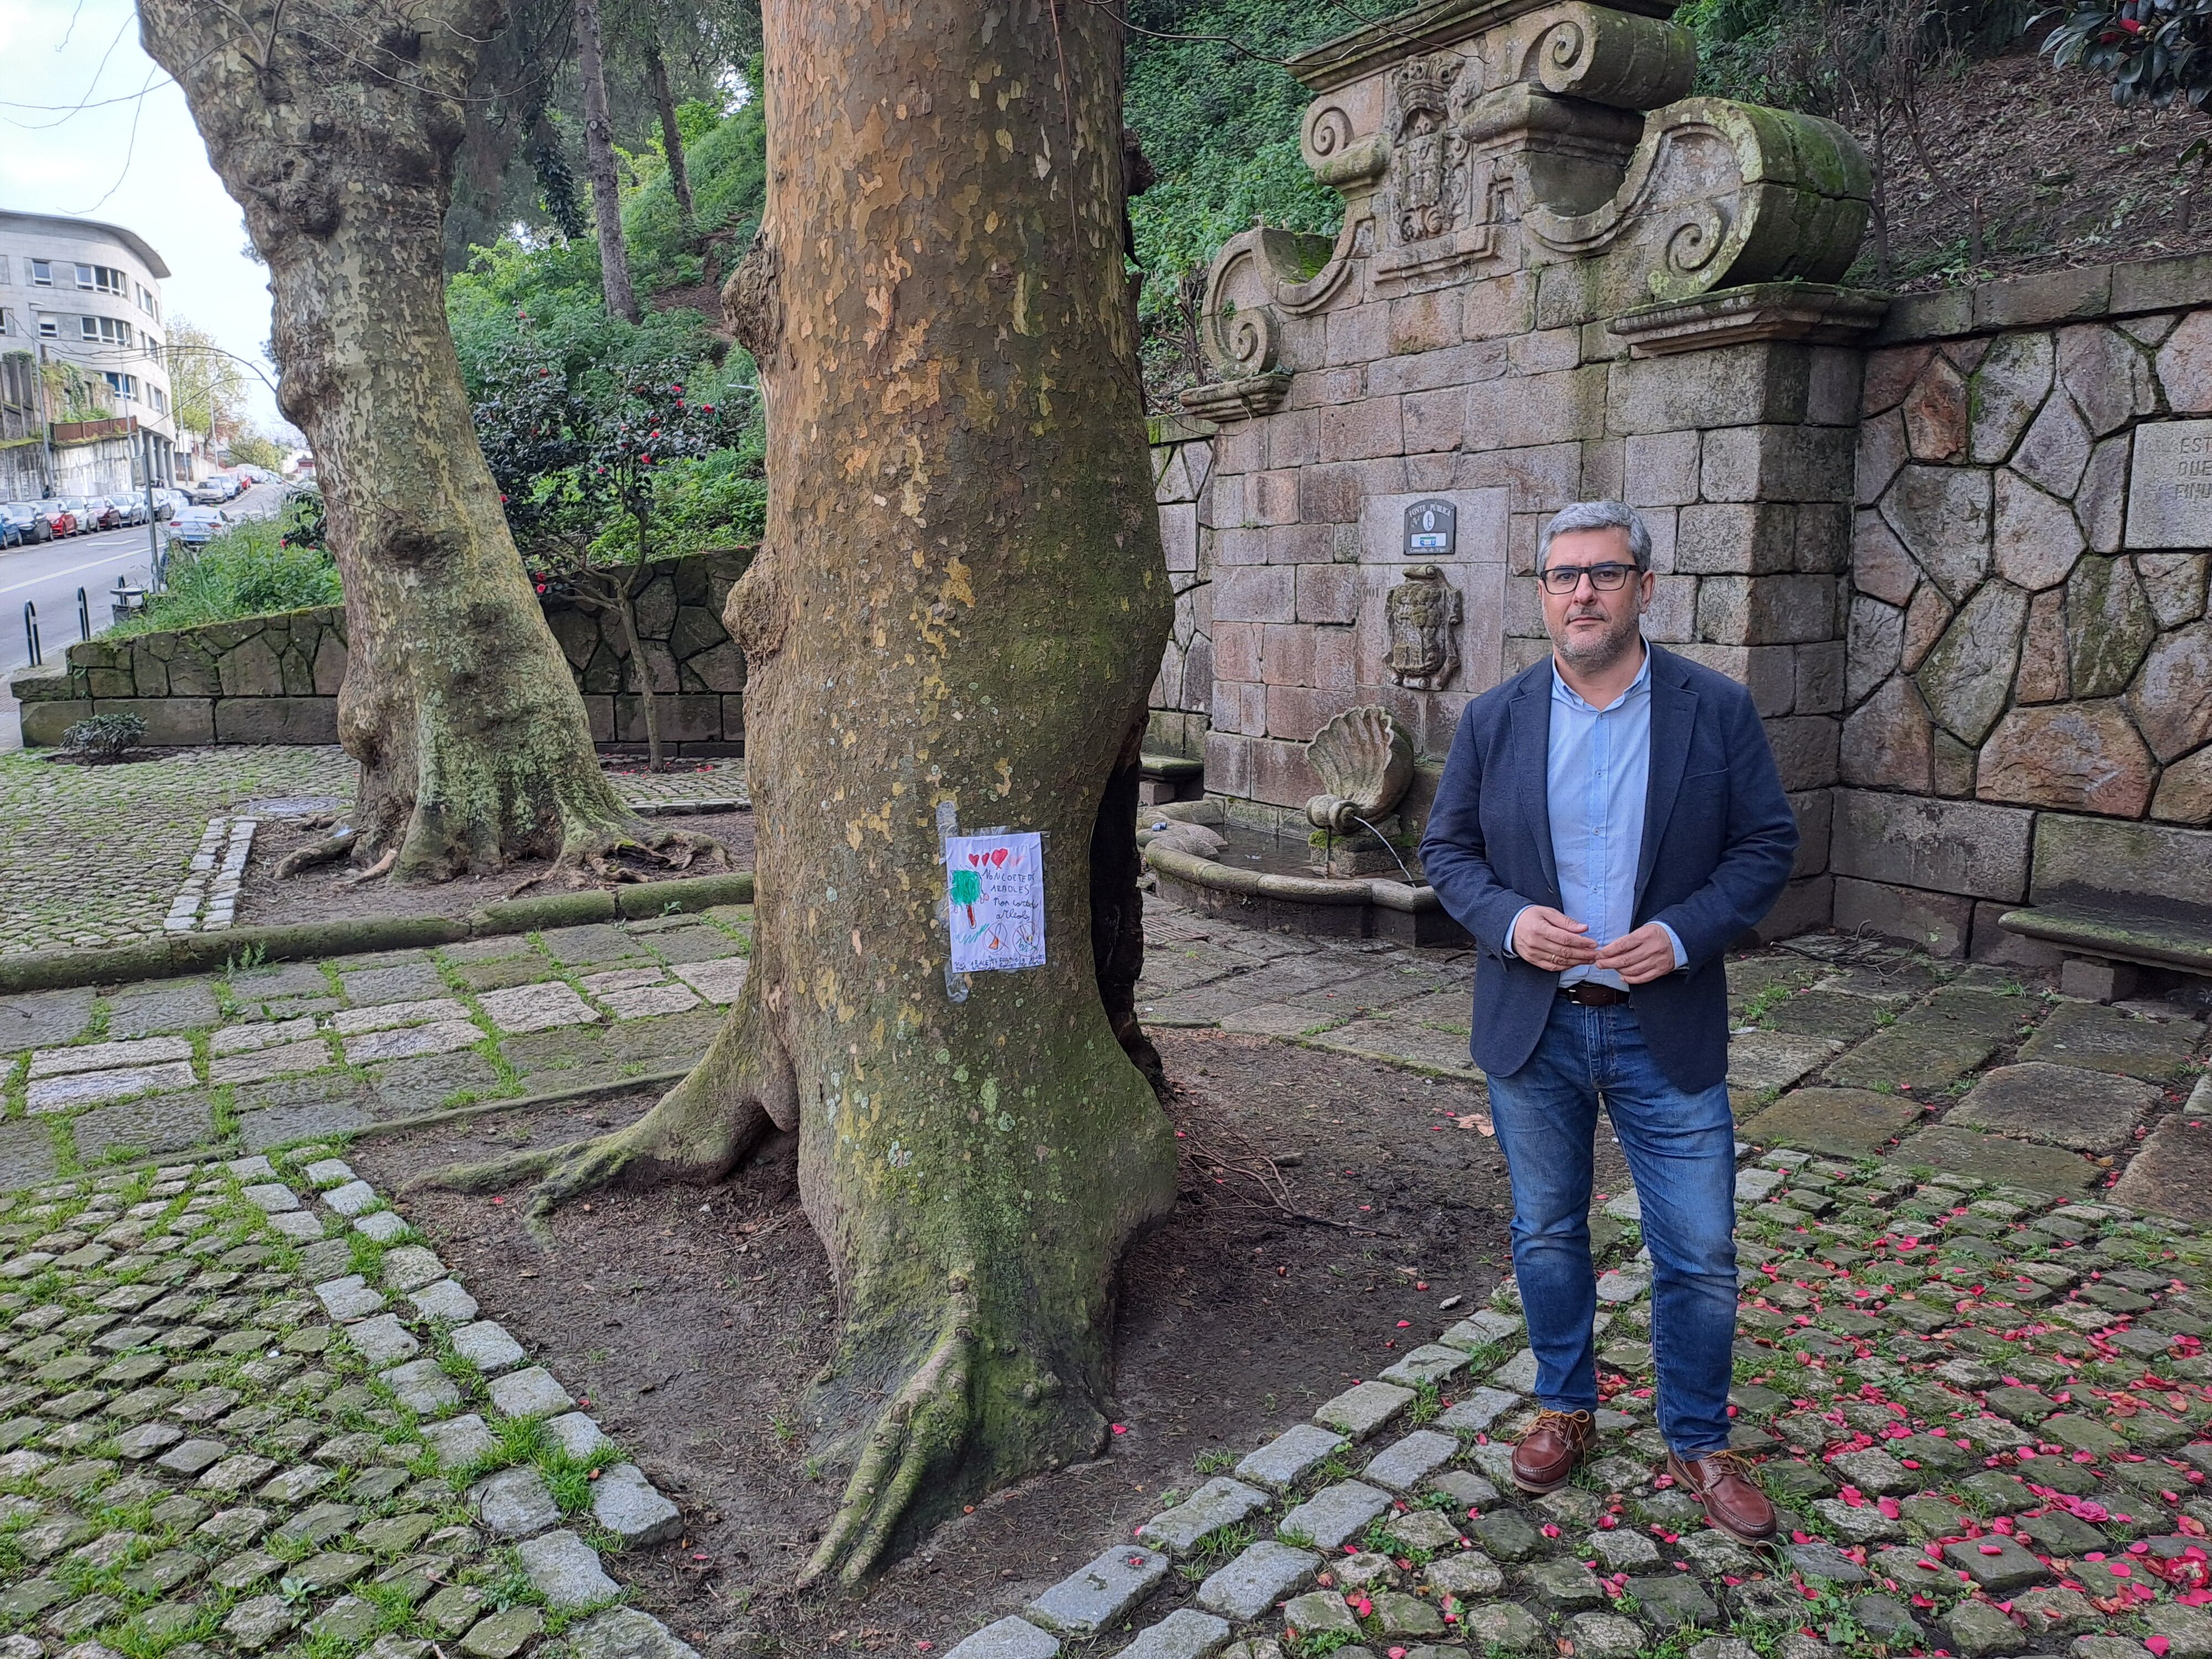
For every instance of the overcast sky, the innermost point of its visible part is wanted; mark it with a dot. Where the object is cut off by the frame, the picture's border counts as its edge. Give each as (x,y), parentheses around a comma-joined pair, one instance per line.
(155,180)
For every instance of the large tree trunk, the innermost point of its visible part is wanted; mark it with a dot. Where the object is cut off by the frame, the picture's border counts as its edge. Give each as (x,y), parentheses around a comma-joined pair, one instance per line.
(957,609)
(671,143)
(599,162)
(334,125)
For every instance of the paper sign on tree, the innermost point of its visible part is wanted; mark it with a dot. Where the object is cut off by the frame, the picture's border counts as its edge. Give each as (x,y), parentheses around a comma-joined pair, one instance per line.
(995,891)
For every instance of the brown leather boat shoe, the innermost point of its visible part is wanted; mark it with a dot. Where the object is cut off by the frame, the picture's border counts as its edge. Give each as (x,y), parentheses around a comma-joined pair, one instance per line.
(1732,1498)
(1549,1455)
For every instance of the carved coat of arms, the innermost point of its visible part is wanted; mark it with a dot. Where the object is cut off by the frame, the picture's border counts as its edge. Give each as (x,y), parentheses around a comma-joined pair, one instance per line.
(1422,614)
(1429,166)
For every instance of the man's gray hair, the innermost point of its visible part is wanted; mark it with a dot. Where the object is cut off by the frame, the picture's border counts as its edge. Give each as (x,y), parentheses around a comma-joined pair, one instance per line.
(1598,515)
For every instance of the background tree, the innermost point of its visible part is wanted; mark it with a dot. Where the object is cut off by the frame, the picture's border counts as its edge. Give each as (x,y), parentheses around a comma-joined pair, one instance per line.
(671,135)
(254,448)
(334,125)
(206,386)
(956,614)
(599,162)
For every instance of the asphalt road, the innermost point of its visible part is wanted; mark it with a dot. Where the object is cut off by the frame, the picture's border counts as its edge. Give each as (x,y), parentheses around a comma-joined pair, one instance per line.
(48,575)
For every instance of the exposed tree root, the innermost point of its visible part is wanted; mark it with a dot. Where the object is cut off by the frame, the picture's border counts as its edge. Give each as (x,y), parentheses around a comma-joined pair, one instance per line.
(612,851)
(329,850)
(741,1090)
(382,866)
(922,1430)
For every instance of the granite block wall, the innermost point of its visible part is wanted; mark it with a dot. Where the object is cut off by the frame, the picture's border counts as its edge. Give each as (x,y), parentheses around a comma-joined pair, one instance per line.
(275,679)
(2029,667)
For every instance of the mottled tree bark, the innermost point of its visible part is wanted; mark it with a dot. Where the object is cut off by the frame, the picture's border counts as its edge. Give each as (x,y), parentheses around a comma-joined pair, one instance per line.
(600,163)
(958,607)
(334,125)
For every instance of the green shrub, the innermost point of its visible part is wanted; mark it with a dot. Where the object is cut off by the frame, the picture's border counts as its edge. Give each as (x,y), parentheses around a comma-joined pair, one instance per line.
(105,736)
(247,571)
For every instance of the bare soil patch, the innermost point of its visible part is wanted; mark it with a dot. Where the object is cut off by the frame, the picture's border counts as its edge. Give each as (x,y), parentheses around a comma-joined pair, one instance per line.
(2064,176)
(323,895)
(694,1317)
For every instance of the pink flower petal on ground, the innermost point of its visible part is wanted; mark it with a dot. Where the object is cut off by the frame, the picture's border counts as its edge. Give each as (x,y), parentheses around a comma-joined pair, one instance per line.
(2157,1644)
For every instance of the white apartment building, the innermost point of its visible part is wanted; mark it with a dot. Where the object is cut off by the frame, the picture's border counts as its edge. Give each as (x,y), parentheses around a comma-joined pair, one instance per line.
(82,292)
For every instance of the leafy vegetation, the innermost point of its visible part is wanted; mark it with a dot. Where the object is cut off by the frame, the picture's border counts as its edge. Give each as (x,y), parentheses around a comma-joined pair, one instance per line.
(2153,52)
(556,381)
(1218,116)
(248,571)
(726,158)
(105,736)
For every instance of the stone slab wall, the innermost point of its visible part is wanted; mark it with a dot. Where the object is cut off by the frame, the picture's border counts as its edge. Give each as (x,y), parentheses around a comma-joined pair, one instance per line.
(2030,663)
(275,679)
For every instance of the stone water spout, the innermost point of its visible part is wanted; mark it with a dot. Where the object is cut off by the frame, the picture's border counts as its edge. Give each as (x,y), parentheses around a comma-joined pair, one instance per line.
(1366,760)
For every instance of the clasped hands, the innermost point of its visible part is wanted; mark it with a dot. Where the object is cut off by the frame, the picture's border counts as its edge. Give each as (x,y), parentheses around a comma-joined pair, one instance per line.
(1551,940)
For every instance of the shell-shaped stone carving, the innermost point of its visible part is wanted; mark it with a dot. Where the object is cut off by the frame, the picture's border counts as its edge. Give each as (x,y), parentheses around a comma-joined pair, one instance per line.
(1364,760)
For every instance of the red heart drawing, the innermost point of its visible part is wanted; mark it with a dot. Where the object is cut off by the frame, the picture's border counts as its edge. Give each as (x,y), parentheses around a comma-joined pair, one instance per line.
(998,855)
(975,858)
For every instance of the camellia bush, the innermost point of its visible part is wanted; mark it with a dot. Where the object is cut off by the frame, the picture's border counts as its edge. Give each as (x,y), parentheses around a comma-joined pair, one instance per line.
(594,479)
(2153,52)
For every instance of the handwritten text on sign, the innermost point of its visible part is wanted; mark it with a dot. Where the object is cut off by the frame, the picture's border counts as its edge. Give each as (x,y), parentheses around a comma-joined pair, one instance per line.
(996,889)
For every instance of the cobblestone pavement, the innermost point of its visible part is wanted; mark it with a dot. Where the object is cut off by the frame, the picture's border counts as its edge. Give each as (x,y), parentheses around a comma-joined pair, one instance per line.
(95,855)
(264,1057)
(1983,1411)
(1978,1391)
(245,1412)
(1979,1396)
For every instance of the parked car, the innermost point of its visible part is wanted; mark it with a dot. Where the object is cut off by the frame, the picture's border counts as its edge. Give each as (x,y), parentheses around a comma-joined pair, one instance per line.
(130,509)
(101,513)
(214,491)
(168,502)
(196,526)
(64,520)
(30,523)
(11,532)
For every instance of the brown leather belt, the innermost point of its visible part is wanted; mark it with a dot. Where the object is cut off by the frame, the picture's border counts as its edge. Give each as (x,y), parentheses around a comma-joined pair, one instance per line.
(1591,995)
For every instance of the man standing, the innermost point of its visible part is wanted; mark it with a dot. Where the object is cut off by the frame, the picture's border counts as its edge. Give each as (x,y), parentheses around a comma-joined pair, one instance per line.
(1609,822)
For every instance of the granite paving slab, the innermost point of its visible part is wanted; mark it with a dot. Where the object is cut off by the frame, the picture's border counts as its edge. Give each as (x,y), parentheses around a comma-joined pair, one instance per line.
(2104,1039)
(2082,1110)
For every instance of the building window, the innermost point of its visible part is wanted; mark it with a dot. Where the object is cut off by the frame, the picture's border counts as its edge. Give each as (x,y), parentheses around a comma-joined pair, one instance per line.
(104,279)
(105,328)
(6,321)
(42,273)
(4,277)
(158,398)
(124,386)
(147,302)
(50,328)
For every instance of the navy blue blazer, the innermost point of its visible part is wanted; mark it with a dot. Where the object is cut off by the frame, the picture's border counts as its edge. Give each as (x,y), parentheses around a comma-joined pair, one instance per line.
(1719,838)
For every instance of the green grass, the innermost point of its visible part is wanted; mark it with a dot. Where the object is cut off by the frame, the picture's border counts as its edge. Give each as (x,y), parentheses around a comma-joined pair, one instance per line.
(246,572)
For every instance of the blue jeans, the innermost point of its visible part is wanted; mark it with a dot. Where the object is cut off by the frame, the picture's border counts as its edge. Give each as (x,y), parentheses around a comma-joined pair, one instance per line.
(1681,1154)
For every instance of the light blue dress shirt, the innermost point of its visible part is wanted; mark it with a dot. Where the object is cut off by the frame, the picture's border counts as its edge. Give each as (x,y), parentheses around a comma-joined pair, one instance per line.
(1596,775)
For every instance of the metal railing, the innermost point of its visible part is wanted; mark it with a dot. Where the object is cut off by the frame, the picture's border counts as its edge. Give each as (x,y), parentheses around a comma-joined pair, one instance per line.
(83,617)
(31,633)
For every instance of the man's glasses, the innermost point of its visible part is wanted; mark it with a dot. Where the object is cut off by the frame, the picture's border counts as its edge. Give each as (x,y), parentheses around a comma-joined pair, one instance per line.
(1606,577)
